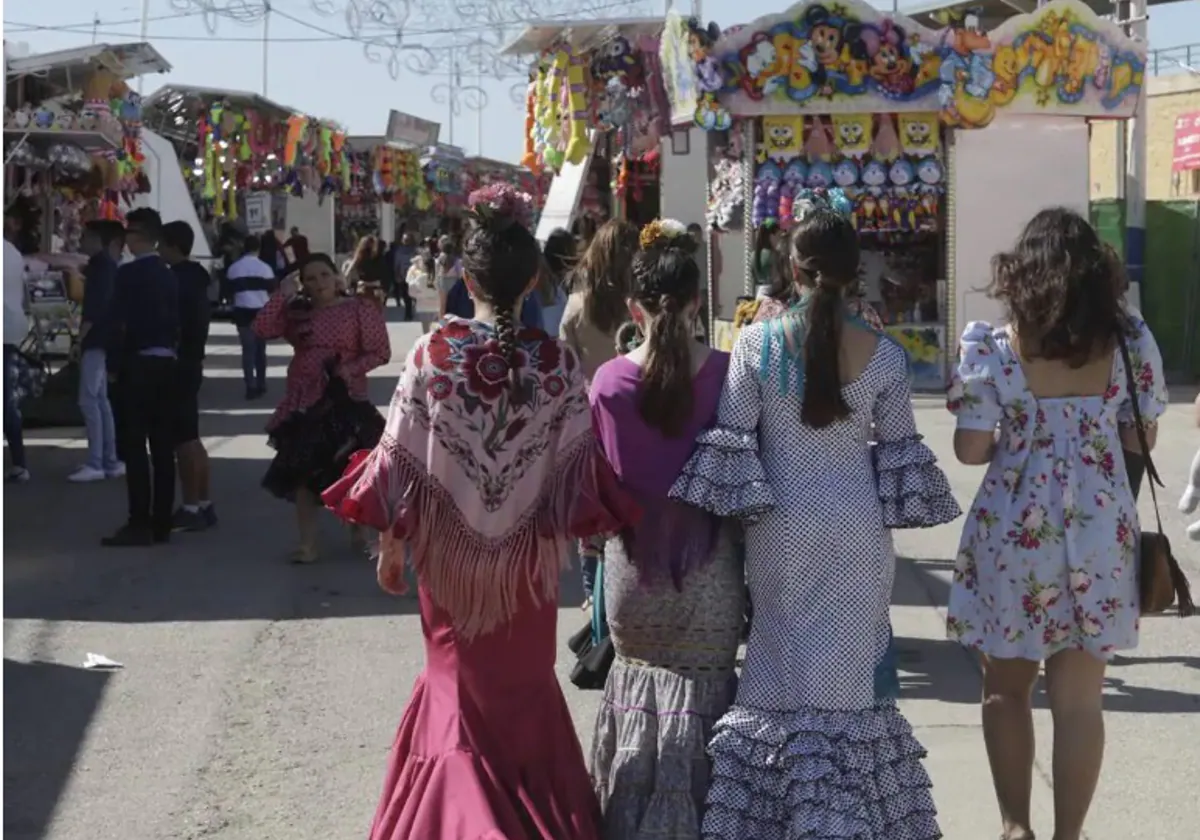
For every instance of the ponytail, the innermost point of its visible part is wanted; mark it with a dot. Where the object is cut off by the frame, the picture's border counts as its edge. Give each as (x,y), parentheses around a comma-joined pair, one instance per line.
(823,400)
(666,389)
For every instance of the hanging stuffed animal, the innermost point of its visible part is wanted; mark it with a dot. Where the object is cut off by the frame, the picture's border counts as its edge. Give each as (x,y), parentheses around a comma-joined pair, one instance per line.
(296,127)
(794,176)
(887,145)
(919,135)
(556,85)
(656,91)
(578,146)
(818,147)
(766,194)
(852,134)
(529,158)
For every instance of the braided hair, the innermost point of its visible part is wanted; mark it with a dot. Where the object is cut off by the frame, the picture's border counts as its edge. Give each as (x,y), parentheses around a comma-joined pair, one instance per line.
(666,282)
(500,260)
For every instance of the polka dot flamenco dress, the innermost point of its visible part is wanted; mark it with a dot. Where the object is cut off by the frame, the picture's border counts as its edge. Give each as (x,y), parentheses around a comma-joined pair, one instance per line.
(814,745)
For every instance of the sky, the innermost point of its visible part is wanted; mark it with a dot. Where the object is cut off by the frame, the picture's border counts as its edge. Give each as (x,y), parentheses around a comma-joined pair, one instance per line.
(314,67)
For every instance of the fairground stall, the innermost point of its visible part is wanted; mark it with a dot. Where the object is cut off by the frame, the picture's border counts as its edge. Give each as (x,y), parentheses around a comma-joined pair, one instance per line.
(595,111)
(72,153)
(253,163)
(946,141)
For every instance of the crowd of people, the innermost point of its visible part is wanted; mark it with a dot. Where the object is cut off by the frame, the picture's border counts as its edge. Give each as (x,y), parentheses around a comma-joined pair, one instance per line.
(693,484)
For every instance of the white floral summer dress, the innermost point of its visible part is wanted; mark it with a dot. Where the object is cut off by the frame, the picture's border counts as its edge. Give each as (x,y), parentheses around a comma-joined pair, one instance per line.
(1047,560)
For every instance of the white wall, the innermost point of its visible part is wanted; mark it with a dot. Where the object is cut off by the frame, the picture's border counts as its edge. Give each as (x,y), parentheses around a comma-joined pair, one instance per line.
(684,179)
(1002,176)
(169,193)
(314,218)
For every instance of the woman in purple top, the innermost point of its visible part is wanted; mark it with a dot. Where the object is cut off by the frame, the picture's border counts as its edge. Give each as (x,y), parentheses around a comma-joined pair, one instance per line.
(672,586)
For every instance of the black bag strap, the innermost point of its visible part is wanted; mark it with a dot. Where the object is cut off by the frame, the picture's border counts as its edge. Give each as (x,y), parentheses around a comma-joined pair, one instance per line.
(1140,425)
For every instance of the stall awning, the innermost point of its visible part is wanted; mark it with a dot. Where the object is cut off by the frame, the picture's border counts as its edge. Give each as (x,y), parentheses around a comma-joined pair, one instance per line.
(172,109)
(992,13)
(581,34)
(67,68)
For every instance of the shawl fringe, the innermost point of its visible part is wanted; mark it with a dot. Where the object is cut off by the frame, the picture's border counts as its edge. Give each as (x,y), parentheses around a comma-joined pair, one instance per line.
(483,582)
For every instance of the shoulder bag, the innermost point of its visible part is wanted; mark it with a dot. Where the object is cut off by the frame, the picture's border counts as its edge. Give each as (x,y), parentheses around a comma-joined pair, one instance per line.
(1161,581)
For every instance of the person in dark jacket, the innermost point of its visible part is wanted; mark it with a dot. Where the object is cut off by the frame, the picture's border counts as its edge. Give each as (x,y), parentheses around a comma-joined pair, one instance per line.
(195,314)
(103,242)
(404,251)
(144,348)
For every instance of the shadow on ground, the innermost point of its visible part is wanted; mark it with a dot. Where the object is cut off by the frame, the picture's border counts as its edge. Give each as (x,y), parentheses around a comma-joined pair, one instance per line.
(940,669)
(47,710)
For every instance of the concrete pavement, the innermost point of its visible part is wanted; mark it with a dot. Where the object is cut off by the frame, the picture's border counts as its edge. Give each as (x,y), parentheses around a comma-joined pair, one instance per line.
(258,699)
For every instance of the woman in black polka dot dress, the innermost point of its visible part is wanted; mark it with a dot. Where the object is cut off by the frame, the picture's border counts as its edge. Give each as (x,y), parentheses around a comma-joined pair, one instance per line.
(814,746)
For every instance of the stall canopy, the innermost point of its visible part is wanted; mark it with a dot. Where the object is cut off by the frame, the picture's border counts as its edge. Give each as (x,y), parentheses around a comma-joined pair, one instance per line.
(580,34)
(992,13)
(65,71)
(173,110)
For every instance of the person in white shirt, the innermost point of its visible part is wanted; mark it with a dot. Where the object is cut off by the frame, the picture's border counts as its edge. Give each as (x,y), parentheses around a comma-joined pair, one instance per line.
(252,282)
(16,327)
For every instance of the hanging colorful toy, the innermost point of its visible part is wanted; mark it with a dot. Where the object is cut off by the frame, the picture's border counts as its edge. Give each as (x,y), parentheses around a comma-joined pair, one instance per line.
(578,146)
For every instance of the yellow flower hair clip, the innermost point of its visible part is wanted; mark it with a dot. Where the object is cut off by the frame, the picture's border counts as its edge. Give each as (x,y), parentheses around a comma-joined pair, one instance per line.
(659,230)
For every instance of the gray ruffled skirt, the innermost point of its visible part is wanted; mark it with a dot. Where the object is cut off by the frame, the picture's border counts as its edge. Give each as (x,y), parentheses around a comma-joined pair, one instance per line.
(673,678)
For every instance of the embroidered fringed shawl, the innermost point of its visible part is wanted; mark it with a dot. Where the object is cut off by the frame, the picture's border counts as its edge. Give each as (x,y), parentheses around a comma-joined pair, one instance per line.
(485,483)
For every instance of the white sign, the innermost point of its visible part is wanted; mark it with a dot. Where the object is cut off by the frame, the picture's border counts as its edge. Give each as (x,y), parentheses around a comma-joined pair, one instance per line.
(258,211)
(412,131)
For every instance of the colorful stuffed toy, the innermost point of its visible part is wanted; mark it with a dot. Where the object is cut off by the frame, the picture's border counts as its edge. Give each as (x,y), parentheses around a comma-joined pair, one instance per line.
(530,159)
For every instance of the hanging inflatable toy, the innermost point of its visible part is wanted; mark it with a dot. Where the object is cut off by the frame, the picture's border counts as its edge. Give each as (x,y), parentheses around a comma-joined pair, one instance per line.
(556,86)
(529,158)
(296,126)
(578,146)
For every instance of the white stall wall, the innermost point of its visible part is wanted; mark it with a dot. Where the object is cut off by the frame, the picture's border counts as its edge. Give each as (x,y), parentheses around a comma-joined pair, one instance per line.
(169,193)
(1003,175)
(684,180)
(314,217)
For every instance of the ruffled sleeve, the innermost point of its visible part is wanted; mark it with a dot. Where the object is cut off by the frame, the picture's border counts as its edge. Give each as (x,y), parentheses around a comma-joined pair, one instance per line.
(724,474)
(913,490)
(1148,379)
(973,397)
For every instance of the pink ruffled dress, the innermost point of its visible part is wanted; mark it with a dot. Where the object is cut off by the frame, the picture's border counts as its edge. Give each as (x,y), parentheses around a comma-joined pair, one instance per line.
(486,484)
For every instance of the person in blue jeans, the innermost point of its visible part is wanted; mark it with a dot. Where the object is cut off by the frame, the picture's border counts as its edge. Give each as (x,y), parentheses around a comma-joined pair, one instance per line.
(251,281)
(103,241)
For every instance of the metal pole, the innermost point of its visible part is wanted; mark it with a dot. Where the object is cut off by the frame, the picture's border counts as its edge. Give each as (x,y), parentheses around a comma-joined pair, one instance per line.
(1135,166)
(266,44)
(95,25)
(479,114)
(451,94)
(145,30)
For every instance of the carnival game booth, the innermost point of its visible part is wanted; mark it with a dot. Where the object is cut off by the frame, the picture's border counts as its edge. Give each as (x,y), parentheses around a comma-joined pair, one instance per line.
(72,153)
(945,141)
(252,162)
(595,111)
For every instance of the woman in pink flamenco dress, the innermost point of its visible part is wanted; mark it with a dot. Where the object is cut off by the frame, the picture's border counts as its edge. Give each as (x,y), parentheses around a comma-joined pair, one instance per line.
(487,470)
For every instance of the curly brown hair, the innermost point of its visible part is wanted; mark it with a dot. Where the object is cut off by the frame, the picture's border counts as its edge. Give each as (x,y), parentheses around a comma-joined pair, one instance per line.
(1062,287)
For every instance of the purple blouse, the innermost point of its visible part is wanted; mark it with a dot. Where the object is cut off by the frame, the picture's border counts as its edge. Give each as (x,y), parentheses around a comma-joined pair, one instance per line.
(673,537)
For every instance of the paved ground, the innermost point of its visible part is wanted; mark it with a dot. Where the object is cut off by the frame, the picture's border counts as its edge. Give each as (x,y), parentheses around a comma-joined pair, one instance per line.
(258,700)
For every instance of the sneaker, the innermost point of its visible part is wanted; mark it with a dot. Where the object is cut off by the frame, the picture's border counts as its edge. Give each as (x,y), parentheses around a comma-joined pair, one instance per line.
(209,512)
(17,475)
(129,536)
(116,472)
(87,474)
(188,520)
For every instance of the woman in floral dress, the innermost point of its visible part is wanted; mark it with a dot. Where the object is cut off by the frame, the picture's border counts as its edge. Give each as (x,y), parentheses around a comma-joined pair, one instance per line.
(1047,567)
(487,468)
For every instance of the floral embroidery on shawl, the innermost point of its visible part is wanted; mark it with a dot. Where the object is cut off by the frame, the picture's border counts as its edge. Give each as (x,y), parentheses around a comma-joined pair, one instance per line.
(484,481)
